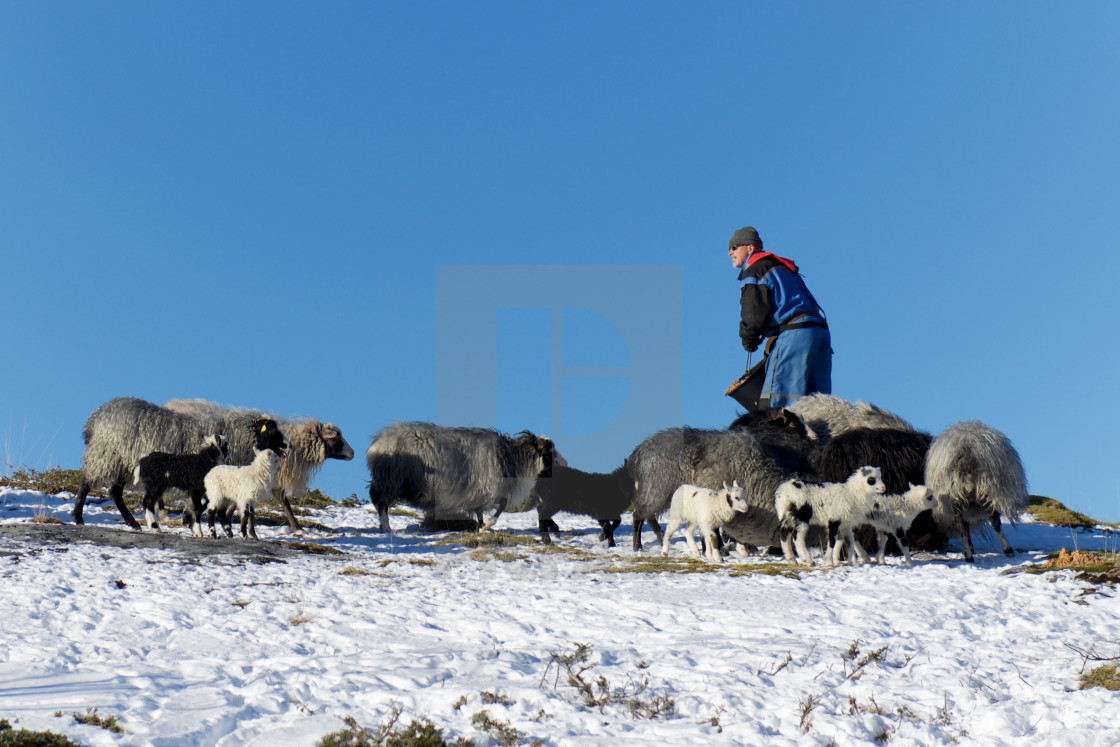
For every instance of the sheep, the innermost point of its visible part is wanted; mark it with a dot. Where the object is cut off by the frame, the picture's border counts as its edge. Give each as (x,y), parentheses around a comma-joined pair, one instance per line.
(829,416)
(839,506)
(891,515)
(159,471)
(784,436)
(313,442)
(230,488)
(707,458)
(704,509)
(601,496)
(976,474)
(123,430)
(454,470)
(899,453)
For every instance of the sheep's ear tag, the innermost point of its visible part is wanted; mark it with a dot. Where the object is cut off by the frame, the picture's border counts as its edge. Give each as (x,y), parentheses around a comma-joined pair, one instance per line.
(264,428)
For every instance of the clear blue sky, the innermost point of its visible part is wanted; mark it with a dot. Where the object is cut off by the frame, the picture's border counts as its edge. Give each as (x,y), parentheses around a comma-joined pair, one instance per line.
(255,203)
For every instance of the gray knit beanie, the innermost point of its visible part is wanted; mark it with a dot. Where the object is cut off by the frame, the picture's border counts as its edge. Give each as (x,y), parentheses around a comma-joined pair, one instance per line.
(745,236)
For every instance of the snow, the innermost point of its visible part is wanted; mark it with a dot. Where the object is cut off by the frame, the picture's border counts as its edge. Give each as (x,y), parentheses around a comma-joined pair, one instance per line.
(222,650)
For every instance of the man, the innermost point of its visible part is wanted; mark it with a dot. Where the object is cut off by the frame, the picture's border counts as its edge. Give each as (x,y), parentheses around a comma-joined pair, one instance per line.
(776,304)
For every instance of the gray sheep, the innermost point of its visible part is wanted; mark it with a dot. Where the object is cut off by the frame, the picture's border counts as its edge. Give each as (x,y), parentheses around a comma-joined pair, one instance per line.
(603,497)
(119,433)
(454,470)
(829,415)
(977,476)
(313,442)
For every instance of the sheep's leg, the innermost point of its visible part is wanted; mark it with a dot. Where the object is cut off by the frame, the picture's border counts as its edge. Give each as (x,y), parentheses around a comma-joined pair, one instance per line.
(652,523)
(382,505)
(494,519)
(638,521)
(608,526)
(855,549)
(689,537)
(150,514)
(226,518)
(994,520)
(542,526)
(212,511)
(117,492)
(195,512)
(714,553)
(835,543)
(293,522)
(670,529)
(881,538)
(900,535)
(799,542)
(80,502)
(966,540)
(741,550)
(786,536)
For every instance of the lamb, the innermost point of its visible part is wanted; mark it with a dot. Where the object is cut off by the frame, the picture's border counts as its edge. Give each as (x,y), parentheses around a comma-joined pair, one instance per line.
(123,430)
(839,506)
(313,442)
(704,509)
(829,416)
(601,496)
(976,474)
(454,470)
(158,472)
(230,488)
(892,515)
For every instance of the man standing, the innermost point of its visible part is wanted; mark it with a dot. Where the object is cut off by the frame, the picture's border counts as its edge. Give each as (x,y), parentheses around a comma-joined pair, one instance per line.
(776,304)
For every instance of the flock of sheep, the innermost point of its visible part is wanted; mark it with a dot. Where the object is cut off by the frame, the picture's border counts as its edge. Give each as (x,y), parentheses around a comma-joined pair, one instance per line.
(823,467)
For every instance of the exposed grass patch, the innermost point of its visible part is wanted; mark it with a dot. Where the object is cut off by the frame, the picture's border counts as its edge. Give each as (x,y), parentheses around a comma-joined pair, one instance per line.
(484,554)
(299,620)
(500,731)
(486,539)
(44,519)
(659,564)
(426,562)
(312,548)
(355,571)
(10,737)
(766,569)
(1049,511)
(575,553)
(419,733)
(1104,676)
(405,512)
(51,481)
(591,691)
(92,718)
(1093,567)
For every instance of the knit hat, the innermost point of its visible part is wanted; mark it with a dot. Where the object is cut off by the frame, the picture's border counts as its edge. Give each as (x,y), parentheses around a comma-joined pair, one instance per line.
(745,236)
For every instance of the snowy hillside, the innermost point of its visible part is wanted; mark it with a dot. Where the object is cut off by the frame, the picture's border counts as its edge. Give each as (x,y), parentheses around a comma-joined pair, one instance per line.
(274,649)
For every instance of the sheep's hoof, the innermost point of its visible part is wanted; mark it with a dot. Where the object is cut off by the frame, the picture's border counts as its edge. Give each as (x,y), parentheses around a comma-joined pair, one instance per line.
(1009,552)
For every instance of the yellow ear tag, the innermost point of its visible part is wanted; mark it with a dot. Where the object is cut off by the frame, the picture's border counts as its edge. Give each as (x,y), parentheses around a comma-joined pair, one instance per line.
(264,428)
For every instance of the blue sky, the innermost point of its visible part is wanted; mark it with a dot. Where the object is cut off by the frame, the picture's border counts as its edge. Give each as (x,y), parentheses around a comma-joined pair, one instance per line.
(253,202)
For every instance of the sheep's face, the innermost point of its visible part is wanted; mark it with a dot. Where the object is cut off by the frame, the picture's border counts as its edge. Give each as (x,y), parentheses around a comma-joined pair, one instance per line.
(269,436)
(736,497)
(921,497)
(220,443)
(871,478)
(334,445)
(792,421)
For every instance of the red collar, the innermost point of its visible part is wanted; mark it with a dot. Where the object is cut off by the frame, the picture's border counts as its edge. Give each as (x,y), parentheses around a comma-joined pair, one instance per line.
(787,263)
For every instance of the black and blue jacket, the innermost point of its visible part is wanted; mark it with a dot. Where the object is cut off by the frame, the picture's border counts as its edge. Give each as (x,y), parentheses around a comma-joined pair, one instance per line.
(773,296)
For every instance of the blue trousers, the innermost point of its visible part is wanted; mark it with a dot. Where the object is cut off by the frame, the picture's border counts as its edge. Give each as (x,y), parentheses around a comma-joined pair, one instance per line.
(800,364)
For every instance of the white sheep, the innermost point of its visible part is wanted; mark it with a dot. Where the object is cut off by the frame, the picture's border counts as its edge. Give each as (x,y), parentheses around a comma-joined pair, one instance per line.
(704,509)
(838,506)
(230,488)
(893,514)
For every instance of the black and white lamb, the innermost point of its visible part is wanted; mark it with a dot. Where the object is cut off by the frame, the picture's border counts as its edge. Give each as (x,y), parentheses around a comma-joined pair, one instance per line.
(124,430)
(892,515)
(230,488)
(838,506)
(603,497)
(704,509)
(158,472)
(977,476)
(312,441)
(452,471)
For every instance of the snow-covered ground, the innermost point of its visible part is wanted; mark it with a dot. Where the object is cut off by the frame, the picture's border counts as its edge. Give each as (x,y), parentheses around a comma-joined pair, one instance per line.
(219,650)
